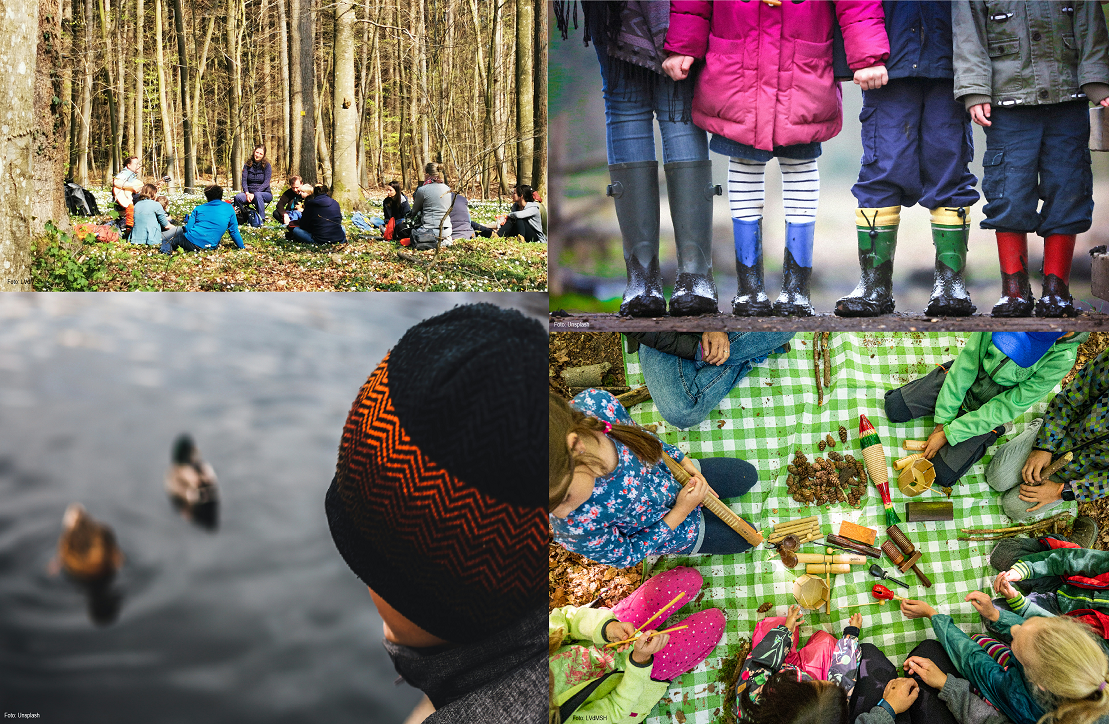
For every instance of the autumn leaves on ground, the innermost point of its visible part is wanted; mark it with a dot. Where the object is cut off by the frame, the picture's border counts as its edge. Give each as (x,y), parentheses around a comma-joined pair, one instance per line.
(366,263)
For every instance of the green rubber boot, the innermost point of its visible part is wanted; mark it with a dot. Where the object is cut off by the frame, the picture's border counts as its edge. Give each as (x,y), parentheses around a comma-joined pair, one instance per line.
(949,235)
(877,233)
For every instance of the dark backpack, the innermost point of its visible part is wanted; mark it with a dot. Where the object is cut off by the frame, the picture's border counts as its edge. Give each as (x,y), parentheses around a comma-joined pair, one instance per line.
(79,201)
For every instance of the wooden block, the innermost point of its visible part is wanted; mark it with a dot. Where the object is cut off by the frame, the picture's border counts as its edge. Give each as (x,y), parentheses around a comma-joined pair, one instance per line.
(909,562)
(847,529)
(916,512)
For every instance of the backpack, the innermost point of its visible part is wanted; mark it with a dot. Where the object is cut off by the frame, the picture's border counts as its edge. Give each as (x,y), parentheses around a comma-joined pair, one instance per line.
(79,201)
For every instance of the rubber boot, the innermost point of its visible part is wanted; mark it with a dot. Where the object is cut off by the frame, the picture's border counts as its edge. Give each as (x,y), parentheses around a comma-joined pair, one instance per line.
(877,232)
(750,300)
(950,230)
(1016,292)
(1056,300)
(690,188)
(634,187)
(796,271)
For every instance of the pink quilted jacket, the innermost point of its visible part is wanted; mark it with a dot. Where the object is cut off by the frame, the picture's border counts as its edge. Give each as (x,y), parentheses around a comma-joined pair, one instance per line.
(767,80)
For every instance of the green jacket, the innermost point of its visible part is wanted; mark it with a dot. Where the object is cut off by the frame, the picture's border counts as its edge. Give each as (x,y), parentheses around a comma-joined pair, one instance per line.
(984,388)
(626,696)
(1017,53)
(1078,420)
(1064,562)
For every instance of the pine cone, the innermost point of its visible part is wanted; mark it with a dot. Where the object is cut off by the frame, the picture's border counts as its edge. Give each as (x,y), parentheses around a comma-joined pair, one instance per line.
(820,446)
(830,440)
(842,434)
(835,456)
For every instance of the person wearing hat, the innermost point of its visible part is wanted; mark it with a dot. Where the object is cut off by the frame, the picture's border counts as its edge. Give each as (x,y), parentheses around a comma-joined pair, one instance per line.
(431,508)
(1076,421)
(994,379)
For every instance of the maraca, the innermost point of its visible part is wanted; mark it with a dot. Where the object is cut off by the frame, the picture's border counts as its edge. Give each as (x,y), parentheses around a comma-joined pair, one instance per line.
(881,593)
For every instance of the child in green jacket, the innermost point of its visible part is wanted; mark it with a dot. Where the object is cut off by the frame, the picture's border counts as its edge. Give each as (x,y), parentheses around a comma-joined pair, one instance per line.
(994,379)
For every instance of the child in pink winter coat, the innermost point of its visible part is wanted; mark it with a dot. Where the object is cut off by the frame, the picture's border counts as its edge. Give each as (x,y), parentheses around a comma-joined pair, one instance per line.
(767,90)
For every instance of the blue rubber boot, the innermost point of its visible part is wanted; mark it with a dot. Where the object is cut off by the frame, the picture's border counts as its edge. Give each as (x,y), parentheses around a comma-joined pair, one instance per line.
(794,299)
(750,300)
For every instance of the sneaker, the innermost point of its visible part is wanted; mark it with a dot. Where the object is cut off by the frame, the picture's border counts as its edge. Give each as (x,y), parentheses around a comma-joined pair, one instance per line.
(1084,532)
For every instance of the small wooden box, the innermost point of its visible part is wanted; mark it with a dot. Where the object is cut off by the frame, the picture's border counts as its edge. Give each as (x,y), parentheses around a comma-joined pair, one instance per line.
(847,529)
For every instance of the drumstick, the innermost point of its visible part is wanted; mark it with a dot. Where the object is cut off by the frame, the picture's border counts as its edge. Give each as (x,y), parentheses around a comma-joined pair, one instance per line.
(633,638)
(652,618)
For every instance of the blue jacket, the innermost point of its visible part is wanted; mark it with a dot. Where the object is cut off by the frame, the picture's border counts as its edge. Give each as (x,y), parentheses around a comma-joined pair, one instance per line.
(920,39)
(323,219)
(256,178)
(150,218)
(207,223)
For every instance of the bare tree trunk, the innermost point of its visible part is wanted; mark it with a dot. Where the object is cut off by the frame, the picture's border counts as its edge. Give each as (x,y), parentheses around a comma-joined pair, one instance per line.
(168,151)
(48,162)
(67,87)
(367,51)
(296,86)
(105,36)
(286,108)
(86,102)
(492,104)
(202,64)
(539,167)
(345,112)
(323,142)
(136,141)
(525,90)
(398,84)
(186,121)
(424,108)
(379,125)
(235,108)
(18,45)
(306,29)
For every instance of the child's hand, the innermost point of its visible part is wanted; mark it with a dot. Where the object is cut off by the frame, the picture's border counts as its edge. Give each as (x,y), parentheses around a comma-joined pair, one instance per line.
(618,631)
(1037,460)
(871,78)
(936,440)
(1001,585)
(1104,102)
(677,66)
(928,672)
(980,114)
(901,693)
(983,605)
(692,495)
(794,618)
(1041,494)
(856,620)
(647,645)
(916,609)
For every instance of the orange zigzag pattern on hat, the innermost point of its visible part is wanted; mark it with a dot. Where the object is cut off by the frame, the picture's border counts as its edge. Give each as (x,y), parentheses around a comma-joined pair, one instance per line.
(486,542)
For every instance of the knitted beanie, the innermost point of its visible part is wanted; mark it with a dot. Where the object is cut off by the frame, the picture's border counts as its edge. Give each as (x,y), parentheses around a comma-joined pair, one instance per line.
(438,501)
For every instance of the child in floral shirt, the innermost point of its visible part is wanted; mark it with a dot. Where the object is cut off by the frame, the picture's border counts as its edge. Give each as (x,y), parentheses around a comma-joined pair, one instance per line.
(612,498)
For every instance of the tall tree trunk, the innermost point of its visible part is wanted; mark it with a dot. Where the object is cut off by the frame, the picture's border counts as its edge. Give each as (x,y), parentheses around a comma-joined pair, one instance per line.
(398,87)
(525,90)
(235,100)
(201,66)
(492,105)
(366,52)
(136,141)
(379,124)
(122,105)
(296,85)
(344,112)
(18,45)
(83,150)
(48,162)
(306,29)
(186,122)
(485,137)
(286,108)
(69,117)
(539,167)
(168,151)
(424,107)
(106,38)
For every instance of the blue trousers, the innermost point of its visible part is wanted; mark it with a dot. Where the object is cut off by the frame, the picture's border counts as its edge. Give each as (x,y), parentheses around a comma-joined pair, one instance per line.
(1033,154)
(729,478)
(629,121)
(686,391)
(917,145)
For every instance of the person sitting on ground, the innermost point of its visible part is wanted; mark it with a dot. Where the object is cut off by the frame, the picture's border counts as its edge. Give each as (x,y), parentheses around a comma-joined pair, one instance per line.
(461,227)
(206,225)
(322,221)
(288,202)
(994,379)
(525,219)
(688,373)
(394,206)
(256,182)
(124,187)
(431,203)
(164,202)
(1076,421)
(152,226)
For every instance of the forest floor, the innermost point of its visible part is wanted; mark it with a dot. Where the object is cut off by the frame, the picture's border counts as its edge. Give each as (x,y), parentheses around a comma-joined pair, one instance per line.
(364,263)
(576,580)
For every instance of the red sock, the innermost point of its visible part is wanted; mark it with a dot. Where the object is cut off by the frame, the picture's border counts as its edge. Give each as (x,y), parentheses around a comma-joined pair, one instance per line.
(1012,250)
(1058,252)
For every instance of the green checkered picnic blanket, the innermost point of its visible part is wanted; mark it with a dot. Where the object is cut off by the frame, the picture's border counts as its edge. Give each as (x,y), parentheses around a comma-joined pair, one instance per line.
(770,414)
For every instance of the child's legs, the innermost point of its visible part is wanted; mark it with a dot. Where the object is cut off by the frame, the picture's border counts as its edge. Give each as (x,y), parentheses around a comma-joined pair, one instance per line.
(1066,181)
(746,191)
(928,709)
(917,398)
(729,477)
(800,195)
(875,671)
(686,649)
(1010,170)
(764,626)
(953,461)
(1017,509)
(684,391)
(629,123)
(656,592)
(816,656)
(719,539)
(890,171)
(998,651)
(754,346)
(1003,472)
(945,132)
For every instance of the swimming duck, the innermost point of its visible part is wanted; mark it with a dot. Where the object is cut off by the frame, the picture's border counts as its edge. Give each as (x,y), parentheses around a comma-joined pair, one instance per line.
(87,549)
(189,479)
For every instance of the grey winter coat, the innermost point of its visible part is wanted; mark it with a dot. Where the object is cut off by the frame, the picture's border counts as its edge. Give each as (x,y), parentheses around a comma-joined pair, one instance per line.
(1015,53)
(432,202)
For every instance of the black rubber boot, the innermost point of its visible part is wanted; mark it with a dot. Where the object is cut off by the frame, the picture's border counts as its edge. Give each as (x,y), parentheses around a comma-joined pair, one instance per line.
(750,299)
(877,237)
(950,229)
(796,271)
(634,187)
(690,190)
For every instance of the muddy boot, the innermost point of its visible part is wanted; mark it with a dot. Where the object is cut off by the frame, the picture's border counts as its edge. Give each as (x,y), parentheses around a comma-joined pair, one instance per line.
(1056,300)
(877,232)
(634,187)
(950,229)
(1084,532)
(1016,292)
(750,300)
(794,299)
(690,189)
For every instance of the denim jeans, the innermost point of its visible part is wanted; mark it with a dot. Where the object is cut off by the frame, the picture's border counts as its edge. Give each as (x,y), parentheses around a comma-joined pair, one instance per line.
(686,391)
(629,126)
(301,235)
(729,478)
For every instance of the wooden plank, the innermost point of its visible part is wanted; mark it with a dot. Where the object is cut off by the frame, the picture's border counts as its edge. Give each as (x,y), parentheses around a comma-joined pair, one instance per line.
(847,529)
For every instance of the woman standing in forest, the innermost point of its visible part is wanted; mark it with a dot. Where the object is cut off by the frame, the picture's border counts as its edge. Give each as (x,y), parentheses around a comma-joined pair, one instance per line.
(256,182)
